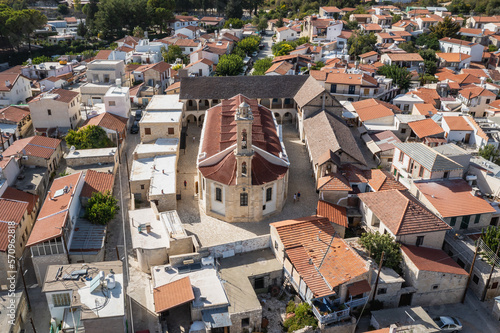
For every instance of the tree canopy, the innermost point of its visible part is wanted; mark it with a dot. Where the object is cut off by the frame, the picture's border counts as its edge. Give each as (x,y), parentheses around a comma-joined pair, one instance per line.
(360,43)
(262,65)
(490,153)
(249,44)
(173,53)
(235,23)
(446,28)
(88,137)
(17,26)
(376,243)
(229,65)
(101,208)
(400,75)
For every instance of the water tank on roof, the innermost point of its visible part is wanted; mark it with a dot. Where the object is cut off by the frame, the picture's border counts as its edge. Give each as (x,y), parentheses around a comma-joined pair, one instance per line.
(110,281)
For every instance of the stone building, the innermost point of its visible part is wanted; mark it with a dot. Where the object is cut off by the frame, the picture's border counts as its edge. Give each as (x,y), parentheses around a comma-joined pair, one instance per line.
(242,162)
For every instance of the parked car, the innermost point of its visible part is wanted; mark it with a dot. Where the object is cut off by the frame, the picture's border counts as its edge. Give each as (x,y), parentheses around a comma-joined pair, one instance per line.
(138,114)
(255,54)
(135,128)
(448,324)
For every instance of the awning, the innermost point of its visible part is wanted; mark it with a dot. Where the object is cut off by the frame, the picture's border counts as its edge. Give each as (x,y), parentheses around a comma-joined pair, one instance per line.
(358,288)
(218,317)
(374,148)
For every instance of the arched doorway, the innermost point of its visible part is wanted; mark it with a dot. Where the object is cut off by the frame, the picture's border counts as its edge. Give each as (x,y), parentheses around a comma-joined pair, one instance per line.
(191,119)
(287,118)
(200,120)
(278,117)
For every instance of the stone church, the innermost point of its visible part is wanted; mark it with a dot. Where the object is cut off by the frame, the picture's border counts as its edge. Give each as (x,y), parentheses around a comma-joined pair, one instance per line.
(242,162)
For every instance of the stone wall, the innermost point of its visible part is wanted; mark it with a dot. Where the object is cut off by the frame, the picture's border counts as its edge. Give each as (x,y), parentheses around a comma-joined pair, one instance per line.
(247,245)
(166,202)
(181,246)
(150,258)
(86,160)
(254,317)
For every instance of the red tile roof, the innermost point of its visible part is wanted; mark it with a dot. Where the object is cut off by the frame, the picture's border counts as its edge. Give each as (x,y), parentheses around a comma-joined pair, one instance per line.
(10,211)
(358,288)
(475,91)
(97,182)
(424,109)
(63,95)
(374,112)
(15,194)
(11,77)
(333,182)
(280,68)
(453,198)
(336,214)
(103,54)
(109,121)
(321,266)
(432,260)
(457,124)
(425,127)
(39,146)
(14,113)
(380,180)
(401,213)
(52,216)
(173,294)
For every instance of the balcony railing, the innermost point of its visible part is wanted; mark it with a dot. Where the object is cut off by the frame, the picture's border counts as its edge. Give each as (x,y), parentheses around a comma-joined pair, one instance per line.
(331,317)
(357,302)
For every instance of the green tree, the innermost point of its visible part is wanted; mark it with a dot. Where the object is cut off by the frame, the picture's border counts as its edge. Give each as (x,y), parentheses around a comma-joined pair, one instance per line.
(81,29)
(490,153)
(88,137)
(161,11)
(352,25)
(400,75)
(491,236)
(262,25)
(229,65)
(101,208)
(234,23)
(303,317)
(63,9)
(492,48)
(282,48)
(318,65)
(138,32)
(77,4)
(408,47)
(376,243)
(446,28)
(173,53)
(239,51)
(361,43)
(249,44)
(40,59)
(234,9)
(262,65)
(428,40)
(396,18)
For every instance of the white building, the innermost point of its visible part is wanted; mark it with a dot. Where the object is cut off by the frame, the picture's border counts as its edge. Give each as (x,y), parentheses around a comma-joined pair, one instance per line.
(14,89)
(202,67)
(105,71)
(47,69)
(286,34)
(117,101)
(58,108)
(452,45)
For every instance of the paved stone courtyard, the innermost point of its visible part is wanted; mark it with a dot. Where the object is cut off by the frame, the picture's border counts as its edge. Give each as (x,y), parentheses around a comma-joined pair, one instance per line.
(211,231)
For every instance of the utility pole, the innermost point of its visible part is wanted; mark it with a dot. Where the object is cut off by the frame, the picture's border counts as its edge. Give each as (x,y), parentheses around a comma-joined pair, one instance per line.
(378,275)
(489,277)
(33,325)
(471,269)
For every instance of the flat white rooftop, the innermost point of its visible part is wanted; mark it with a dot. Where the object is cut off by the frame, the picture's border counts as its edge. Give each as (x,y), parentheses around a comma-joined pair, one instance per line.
(165,102)
(82,153)
(158,237)
(105,62)
(111,306)
(161,117)
(117,91)
(141,169)
(208,290)
(163,178)
(160,147)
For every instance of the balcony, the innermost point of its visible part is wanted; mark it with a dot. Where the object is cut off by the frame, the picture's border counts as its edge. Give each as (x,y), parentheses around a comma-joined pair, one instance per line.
(325,317)
(353,303)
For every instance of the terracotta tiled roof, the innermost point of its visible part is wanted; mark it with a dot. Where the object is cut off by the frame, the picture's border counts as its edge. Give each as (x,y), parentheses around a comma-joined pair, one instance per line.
(10,211)
(372,27)
(15,194)
(103,54)
(425,127)
(358,288)
(109,121)
(385,140)
(39,146)
(457,124)
(11,77)
(174,86)
(280,68)
(52,216)
(330,9)
(401,213)
(453,198)
(475,91)
(368,54)
(14,113)
(333,182)
(380,180)
(351,79)
(373,112)
(453,57)
(429,96)
(306,241)
(65,96)
(173,294)
(97,182)
(432,260)
(186,43)
(405,57)
(424,109)
(336,214)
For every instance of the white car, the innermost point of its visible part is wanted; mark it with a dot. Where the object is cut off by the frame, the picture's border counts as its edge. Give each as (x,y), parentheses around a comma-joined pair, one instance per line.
(448,324)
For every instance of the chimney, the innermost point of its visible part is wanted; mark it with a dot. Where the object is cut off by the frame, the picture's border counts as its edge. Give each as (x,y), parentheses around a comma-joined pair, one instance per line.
(148,228)
(7,83)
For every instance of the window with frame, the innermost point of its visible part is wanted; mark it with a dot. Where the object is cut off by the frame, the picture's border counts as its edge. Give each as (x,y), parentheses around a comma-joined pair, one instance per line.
(421,171)
(475,279)
(401,156)
(218,194)
(170,130)
(420,240)
(465,222)
(494,285)
(435,287)
(49,112)
(269,194)
(477,218)
(61,300)
(243,199)
(333,88)
(147,131)
(403,130)
(453,221)
(381,291)
(112,103)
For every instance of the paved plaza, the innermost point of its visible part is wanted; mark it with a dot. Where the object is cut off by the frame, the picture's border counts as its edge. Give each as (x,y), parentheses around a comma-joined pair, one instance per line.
(211,231)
